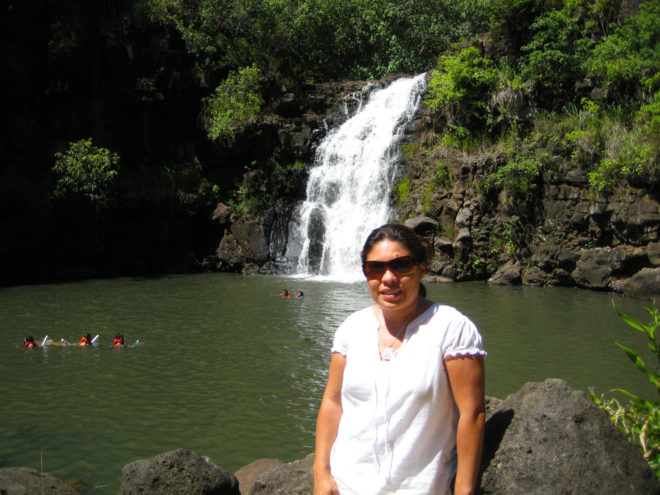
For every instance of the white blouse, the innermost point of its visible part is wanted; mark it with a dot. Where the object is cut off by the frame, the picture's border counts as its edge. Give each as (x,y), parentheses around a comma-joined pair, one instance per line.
(397,432)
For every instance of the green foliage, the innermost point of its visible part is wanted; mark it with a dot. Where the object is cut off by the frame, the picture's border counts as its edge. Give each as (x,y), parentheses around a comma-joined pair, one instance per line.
(319,38)
(236,100)
(640,418)
(512,235)
(552,60)
(243,202)
(630,57)
(443,177)
(86,170)
(426,197)
(518,176)
(402,191)
(626,159)
(512,20)
(460,88)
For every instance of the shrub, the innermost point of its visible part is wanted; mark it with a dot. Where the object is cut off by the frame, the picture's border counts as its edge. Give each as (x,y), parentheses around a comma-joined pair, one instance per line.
(86,170)
(640,418)
(518,176)
(236,100)
(402,190)
(630,57)
(552,59)
(460,88)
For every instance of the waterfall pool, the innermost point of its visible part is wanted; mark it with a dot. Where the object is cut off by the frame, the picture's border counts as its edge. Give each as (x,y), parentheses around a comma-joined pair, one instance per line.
(229,368)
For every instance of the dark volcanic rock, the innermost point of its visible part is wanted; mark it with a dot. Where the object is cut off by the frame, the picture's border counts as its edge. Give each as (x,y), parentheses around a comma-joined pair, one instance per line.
(644,284)
(177,472)
(295,478)
(27,481)
(509,274)
(549,439)
(248,474)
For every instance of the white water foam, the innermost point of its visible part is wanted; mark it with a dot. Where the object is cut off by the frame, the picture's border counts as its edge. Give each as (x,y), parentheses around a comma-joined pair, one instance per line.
(349,186)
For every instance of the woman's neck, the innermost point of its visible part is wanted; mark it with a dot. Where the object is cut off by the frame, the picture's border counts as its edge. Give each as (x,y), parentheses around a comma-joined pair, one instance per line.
(395,318)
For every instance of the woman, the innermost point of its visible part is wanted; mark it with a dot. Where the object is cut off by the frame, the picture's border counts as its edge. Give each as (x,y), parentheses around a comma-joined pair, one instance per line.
(403,409)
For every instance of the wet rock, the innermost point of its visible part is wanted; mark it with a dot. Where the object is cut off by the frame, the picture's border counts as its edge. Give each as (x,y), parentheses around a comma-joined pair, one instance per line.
(230,258)
(509,274)
(548,438)
(534,276)
(251,239)
(593,269)
(221,214)
(644,284)
(27,481)
(176,472)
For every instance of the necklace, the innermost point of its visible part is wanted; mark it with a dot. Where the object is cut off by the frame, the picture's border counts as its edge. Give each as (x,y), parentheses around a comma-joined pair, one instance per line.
(388,352)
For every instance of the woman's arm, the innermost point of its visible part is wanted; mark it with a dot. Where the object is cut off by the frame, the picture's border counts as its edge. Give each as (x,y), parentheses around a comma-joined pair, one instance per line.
(327,425)
(466,378)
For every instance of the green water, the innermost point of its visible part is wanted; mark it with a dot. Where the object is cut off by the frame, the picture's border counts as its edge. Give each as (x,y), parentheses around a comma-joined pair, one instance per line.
(228,368)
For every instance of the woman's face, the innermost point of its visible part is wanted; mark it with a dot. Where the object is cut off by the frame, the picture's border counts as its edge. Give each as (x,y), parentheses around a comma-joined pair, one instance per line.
(392,291)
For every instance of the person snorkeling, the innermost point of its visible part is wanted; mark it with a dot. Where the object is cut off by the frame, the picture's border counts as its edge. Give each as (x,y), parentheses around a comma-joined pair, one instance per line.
(28,342)
(119,340)
(86,339)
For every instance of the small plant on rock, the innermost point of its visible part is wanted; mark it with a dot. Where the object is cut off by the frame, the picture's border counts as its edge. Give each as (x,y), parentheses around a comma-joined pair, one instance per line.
(639,419)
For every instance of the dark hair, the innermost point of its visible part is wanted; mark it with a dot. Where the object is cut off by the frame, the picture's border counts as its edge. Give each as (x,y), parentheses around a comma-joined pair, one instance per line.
(406,236)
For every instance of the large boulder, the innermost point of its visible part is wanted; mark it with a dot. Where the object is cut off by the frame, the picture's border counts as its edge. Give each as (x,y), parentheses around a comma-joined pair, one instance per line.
(176,472)
(509,274)
(248,474)
(594,268)
(27,481)
(548,439)
(424,226)
(644,284)
(295,478)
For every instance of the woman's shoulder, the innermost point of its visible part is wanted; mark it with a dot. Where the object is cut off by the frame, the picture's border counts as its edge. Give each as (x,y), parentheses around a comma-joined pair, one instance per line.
(361,315)
(440,310)
(445,316)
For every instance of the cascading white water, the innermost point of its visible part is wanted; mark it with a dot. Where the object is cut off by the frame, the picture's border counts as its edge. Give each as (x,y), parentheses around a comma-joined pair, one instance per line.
(349,186)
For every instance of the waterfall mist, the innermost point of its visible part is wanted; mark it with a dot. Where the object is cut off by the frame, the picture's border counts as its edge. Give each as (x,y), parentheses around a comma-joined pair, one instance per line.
(349,186)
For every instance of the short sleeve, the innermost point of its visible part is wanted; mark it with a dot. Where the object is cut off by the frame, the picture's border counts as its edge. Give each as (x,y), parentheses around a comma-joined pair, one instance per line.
(340,342)
(462,338)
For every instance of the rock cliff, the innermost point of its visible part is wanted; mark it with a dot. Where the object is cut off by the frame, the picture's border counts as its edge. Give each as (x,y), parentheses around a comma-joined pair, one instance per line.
(559,233)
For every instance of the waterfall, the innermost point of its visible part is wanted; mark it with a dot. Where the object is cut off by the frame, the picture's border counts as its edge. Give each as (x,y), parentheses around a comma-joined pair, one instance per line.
(349,186)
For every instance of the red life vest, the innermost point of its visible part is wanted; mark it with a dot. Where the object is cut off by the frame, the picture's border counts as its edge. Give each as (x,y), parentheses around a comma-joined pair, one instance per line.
(117,342)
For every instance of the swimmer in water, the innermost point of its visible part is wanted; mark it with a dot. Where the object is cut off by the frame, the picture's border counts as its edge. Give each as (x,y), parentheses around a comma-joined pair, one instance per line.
(300,295)
(29,343)
(286,293)
(119,340)
(86,339)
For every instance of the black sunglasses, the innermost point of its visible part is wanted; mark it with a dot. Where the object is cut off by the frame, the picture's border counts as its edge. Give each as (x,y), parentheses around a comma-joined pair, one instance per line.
(399,266)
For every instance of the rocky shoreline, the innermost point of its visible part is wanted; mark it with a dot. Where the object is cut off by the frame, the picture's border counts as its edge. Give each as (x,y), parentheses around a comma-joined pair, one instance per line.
(546,438)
